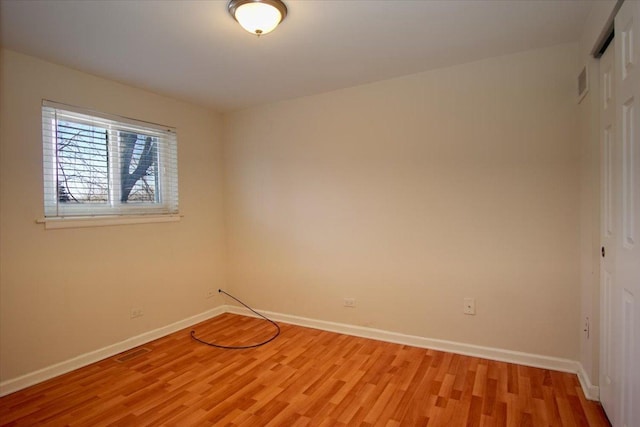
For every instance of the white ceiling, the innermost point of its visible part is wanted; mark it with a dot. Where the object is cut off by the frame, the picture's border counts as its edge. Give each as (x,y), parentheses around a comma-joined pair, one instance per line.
(193,50)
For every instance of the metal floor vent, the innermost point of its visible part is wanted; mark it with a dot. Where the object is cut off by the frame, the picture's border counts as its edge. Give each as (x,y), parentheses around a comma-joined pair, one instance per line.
(125,357)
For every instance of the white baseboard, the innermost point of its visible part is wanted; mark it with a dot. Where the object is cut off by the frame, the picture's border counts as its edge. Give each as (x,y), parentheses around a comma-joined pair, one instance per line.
(12,385)
(528,359)
(502,355)
(591,392)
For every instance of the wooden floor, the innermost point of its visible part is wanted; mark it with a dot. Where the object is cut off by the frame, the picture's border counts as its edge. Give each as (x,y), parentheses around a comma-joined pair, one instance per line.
(304,377)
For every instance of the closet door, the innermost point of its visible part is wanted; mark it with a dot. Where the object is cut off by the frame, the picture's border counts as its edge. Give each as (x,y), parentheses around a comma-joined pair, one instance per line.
(610,177)
(627,268)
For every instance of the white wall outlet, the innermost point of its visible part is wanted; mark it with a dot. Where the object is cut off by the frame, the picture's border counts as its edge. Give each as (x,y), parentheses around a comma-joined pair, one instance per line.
(350,302)
(136,312)
(210,293)
(469,306)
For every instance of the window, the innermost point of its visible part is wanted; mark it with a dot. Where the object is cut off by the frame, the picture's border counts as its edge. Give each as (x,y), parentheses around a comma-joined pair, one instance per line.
(101,165)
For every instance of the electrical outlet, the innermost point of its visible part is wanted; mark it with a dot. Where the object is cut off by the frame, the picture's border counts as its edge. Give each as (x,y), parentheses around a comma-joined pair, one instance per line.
(136,312)
(469,306)
(350,302)
(210,293)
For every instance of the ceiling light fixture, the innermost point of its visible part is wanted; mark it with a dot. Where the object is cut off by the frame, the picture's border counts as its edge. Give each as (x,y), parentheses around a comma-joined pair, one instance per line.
(258,16)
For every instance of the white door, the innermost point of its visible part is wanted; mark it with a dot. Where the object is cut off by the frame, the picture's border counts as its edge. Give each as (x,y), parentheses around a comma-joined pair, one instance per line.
(620,264)
(609,228)
(627,57)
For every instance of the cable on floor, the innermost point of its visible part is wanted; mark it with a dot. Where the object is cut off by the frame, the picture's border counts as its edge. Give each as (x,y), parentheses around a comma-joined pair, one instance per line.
(240,347)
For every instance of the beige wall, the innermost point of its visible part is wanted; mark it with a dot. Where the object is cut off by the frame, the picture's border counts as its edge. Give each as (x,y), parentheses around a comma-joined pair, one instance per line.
(67,292)
(408,195)
(413,193)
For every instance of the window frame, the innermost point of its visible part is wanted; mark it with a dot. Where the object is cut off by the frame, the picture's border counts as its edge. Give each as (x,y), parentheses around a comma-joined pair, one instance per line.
(166,188)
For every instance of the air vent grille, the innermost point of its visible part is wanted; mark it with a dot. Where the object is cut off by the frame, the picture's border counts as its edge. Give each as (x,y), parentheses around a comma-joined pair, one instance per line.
(125,357)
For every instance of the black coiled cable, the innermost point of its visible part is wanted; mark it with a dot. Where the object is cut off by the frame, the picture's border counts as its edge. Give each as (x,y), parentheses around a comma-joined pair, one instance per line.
(240,347)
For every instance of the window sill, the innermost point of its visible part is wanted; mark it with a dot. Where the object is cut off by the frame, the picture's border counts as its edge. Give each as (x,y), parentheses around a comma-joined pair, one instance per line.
(95,221)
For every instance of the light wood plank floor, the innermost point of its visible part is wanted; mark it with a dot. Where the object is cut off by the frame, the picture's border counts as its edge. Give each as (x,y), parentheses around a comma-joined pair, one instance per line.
(304,377)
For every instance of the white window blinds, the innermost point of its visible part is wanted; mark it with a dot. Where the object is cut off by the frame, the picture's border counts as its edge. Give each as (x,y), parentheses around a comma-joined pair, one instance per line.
(98,165)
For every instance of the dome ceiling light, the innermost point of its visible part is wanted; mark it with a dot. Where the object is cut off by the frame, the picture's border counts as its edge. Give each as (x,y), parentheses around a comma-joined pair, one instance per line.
(258,16)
